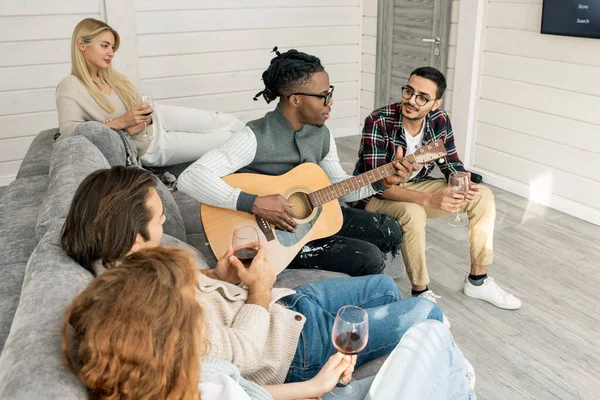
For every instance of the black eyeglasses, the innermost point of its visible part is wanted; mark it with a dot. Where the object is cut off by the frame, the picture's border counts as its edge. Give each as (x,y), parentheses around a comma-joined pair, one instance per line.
(327,96)
(408,93)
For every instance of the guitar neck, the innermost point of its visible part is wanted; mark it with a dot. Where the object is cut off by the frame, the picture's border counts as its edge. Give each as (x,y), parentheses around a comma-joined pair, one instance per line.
(350,185)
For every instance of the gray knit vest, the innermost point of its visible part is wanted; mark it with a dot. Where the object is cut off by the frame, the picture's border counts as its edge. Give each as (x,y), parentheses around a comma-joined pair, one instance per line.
(280,149)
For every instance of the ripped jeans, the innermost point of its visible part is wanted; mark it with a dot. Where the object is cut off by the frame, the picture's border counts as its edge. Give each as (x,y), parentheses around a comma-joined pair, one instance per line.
(389,318)
(357,249)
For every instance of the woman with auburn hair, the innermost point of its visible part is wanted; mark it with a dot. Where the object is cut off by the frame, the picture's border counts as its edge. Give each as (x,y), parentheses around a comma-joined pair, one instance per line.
(137,332)
(134,332)
(94,91)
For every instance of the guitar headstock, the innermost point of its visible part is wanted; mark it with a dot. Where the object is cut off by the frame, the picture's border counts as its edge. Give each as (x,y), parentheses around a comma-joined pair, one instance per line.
(430,152)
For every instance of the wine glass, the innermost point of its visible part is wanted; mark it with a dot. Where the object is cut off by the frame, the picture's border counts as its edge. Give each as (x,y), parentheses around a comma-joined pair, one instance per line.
(147,99)
(350,336)
(458,182)
(245,244)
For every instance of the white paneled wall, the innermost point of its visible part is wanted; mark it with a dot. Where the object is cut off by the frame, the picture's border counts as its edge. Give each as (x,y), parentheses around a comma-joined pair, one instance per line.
(538,132)
(208,54)
(35,47)
(211,54)
(369,52)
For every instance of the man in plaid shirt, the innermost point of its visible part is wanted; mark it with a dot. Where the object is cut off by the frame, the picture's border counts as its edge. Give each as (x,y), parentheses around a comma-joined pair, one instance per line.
(401,128)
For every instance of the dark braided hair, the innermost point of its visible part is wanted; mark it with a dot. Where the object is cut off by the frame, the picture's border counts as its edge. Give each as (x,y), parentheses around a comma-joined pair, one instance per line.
(287,71)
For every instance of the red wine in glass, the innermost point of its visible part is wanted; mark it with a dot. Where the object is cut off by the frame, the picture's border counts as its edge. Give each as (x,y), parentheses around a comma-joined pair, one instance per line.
(147,99)
(349,343)
(349,336)
(246,254)
(245,244)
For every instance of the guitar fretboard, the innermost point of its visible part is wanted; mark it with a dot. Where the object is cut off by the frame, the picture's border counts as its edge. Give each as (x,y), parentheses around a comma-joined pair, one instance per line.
(350,185)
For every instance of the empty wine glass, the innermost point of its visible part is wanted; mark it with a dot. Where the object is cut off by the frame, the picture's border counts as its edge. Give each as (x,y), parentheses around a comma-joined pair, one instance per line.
(245,244)
(147,99)
(350,336)
(458,182)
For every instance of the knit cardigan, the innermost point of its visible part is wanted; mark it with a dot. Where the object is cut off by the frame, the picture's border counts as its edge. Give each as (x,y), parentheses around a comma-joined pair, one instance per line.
(260,343)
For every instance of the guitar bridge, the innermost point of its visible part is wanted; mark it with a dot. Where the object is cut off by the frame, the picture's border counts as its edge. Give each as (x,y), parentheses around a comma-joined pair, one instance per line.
(265,228)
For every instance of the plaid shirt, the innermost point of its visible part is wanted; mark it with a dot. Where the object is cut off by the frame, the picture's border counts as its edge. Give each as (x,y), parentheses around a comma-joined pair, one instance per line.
(383,133)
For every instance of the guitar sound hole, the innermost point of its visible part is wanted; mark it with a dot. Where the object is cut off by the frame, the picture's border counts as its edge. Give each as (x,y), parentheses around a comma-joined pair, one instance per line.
(300,205)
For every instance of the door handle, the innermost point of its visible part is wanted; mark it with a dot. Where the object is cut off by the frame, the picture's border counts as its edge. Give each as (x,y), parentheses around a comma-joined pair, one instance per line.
(435,40)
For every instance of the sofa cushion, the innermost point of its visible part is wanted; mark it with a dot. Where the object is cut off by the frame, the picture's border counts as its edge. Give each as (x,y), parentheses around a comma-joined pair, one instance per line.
(73,159)
(105,139)
(190,212)
(174,224)
(19,208)
(11,280)
(37,159)
(31,365)
(170,241)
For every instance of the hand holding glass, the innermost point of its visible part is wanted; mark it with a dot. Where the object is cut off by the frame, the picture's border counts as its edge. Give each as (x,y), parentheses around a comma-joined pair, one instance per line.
(458,182)
(147,99)
(245,244)
(350,336)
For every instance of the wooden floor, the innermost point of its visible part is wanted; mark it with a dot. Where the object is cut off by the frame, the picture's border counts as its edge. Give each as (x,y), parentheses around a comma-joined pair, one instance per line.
(550,348)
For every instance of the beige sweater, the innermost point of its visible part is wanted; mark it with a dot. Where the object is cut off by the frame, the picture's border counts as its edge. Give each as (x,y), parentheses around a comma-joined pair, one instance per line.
(76,105)
(260,343)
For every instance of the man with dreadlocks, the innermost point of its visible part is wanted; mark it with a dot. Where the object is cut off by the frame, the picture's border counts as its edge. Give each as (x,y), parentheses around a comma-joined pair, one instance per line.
(292,134)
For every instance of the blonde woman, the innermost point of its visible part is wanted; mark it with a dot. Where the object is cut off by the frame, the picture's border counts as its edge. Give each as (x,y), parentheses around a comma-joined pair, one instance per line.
(94,91)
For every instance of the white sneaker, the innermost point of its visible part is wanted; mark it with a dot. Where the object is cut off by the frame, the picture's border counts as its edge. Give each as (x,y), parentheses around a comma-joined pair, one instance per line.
(429,295)
(470,375)
(492,293)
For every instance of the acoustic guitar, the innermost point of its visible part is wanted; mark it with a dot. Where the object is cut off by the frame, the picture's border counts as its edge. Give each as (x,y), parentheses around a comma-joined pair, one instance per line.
(312,196)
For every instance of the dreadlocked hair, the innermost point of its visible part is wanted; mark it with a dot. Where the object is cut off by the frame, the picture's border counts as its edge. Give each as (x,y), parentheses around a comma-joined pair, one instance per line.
(287,71)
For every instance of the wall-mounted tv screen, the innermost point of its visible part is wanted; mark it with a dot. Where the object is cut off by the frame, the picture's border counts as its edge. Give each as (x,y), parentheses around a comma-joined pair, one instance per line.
(571,18)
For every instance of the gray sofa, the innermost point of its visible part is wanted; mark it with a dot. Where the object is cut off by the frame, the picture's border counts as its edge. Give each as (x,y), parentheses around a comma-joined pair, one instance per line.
(38,280)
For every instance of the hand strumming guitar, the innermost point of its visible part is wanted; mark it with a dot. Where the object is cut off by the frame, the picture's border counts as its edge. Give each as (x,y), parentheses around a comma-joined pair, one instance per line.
(276,210)
(403,169)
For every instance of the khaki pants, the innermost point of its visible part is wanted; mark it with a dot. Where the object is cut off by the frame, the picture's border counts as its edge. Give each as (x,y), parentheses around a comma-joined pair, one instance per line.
(413,217)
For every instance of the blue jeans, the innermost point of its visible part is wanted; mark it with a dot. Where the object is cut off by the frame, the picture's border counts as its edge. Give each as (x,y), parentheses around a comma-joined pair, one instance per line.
(389,318)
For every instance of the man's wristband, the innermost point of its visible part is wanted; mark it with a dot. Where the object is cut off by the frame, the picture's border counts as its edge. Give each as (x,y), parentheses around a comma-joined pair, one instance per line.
(385,183)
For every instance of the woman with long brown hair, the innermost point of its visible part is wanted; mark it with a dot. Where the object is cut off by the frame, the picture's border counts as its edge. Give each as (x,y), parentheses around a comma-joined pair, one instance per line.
(94,91)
